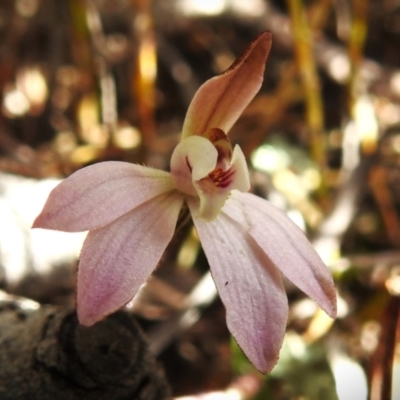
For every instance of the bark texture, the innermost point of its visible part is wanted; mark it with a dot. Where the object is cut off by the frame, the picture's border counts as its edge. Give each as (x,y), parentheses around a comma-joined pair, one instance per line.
(45,354)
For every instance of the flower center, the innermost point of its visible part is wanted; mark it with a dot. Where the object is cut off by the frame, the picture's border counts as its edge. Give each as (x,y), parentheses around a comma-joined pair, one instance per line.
(221,178)
(221,142)
(206,167)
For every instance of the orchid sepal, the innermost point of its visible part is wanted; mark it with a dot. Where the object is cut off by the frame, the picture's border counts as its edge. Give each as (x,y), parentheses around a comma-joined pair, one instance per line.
(270,227)
(96,195)
(118,258)
(221,100)
(249,285)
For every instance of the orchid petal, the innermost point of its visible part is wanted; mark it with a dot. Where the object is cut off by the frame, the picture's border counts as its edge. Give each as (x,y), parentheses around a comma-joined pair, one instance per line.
(119,257)
(193,159)
(214,194)
(249,286)
(97,195)
(286,246)
(221,100)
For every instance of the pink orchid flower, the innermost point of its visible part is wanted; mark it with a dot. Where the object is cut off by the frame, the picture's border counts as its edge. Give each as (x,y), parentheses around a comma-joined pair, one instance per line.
(131,213)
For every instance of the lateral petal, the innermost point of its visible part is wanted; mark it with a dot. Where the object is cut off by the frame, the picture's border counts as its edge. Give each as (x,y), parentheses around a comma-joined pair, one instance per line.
(286,245)
(221,100)
(98,194)
(249,285)
(117,258)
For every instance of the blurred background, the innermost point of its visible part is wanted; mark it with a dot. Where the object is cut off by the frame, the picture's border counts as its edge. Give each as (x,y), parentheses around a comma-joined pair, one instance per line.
(95,80)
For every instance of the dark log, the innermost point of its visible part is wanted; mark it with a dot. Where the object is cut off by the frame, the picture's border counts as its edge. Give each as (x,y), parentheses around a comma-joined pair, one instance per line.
(45,354)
